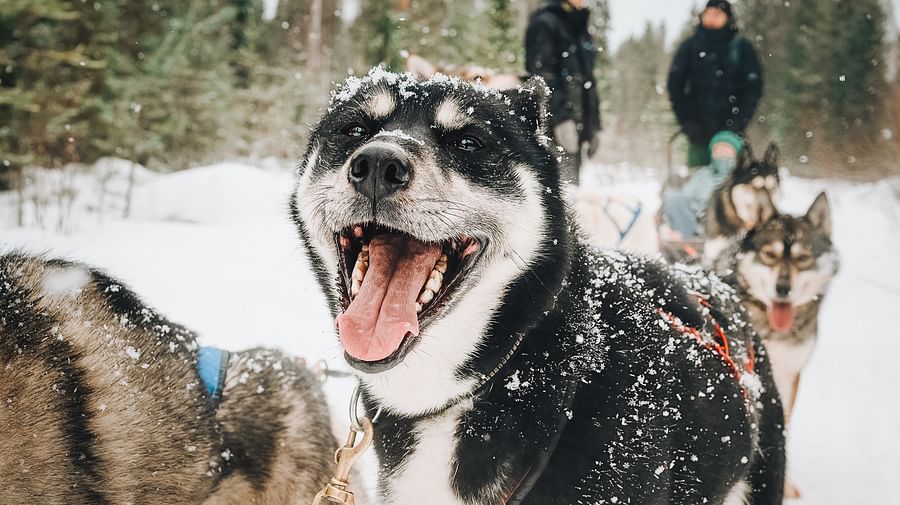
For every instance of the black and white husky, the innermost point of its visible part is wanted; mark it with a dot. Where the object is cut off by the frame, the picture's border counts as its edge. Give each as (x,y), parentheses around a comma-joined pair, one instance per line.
(513,363)
(740,203)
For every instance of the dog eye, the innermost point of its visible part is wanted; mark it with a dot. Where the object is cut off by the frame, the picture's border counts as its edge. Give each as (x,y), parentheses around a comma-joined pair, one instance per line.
(355,130)
(803,259)
(469,143)
(769,255)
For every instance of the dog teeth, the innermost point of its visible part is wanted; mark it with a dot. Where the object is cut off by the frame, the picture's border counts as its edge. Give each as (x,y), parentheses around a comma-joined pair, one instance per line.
(359,273)
(434,283)
(426,296)
(345,242)
(358,231)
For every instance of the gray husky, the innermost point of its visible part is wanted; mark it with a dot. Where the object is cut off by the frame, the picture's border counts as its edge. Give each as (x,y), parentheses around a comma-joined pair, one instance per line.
(106,402)
(782,270)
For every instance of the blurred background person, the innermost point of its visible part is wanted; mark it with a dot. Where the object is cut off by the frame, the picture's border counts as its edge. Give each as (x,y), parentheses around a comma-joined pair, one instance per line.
(559,48)
(683,206)
(715,81)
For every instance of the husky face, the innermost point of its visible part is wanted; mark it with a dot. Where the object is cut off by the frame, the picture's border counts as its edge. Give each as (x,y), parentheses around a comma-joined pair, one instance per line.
(750,180)
(420,203)
(788,262)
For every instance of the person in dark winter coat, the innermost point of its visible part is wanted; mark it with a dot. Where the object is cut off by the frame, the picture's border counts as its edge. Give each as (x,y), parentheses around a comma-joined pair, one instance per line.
(559,48)
(715,82)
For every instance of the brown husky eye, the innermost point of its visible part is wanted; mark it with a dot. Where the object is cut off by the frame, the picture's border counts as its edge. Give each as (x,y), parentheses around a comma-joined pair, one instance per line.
(803,260)
(768,256)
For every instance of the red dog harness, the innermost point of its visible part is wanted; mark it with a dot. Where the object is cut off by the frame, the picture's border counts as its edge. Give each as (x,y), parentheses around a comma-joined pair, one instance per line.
(718,342)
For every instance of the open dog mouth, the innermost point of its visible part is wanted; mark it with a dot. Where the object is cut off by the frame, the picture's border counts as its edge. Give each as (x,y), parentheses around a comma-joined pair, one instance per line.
(781,315)
(391,286)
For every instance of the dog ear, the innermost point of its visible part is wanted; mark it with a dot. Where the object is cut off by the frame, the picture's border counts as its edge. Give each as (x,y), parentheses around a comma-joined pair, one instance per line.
(772,154)
(745,157)
(530,101)
(418,65)
(767,210)
(819,214)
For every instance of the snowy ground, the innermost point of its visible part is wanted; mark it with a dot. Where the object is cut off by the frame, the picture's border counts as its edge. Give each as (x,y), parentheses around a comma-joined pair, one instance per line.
(212,248)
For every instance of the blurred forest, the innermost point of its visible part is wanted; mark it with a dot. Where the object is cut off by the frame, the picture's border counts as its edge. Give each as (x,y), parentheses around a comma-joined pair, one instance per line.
(170,84)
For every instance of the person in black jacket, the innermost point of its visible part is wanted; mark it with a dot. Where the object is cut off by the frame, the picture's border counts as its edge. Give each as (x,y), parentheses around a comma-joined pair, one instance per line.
(559,48)
(715,82)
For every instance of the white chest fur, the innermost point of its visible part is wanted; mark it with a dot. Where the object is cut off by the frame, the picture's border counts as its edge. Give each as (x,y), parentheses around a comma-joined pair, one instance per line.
(788,359)
(426,471)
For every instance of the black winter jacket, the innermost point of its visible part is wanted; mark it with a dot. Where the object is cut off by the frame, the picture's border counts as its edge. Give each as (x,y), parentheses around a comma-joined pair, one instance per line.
(559,48)
(715,83)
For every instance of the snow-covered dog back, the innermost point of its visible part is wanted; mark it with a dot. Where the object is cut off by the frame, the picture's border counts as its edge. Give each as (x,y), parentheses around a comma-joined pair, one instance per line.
(513,363)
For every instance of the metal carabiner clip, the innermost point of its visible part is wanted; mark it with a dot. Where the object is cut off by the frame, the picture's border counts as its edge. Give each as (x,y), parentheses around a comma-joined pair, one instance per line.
(337,490)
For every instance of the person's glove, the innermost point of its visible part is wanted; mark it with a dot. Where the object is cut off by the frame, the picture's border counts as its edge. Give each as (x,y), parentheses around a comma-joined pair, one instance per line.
(566,135)
(593,144)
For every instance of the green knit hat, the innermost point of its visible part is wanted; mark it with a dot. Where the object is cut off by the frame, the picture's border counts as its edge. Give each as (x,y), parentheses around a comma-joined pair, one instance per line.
(729,137)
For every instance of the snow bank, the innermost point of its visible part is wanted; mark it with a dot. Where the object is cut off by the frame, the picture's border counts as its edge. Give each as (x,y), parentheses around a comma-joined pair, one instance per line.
(213,250)
(63,199)
(223,193)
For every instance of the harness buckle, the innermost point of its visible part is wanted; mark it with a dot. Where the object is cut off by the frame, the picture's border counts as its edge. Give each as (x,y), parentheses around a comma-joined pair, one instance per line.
(337,490)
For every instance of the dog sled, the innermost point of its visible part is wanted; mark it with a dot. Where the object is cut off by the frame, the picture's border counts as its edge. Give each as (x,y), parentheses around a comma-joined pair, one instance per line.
(674,247)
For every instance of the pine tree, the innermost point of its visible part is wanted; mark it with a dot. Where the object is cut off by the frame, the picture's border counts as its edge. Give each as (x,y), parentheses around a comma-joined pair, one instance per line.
(179,88)
(505,49)
(824,71)
(51,102)
(891,133)
(599,30)
(808,66)
(766,24)
(858,84)
(642,120)
(375,29)
(462,34)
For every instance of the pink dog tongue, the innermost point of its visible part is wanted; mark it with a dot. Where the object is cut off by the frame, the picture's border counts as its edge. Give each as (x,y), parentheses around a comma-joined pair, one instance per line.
(781,316)
(374,325)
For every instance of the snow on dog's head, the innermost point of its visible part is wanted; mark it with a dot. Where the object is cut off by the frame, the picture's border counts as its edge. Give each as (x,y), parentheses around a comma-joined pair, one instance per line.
(421,203)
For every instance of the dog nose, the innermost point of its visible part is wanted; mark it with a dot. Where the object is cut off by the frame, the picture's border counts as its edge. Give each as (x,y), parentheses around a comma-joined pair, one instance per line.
(380,170)
(783,289)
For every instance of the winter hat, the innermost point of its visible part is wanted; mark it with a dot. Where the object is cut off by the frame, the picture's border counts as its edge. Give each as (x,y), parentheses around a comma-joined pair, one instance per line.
(724,5)
(728,137)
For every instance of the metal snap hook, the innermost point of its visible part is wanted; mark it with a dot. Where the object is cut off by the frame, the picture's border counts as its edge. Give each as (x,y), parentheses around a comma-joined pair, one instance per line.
(355,423)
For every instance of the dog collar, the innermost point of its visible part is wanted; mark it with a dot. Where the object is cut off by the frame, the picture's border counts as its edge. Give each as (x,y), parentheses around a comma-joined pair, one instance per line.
(485,379)
(212,366)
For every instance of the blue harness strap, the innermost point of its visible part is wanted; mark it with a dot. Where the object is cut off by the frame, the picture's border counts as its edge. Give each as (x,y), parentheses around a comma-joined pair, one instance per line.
(212,365)
(635,214)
